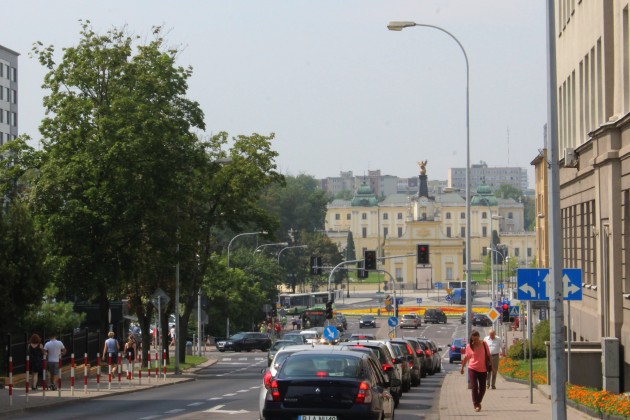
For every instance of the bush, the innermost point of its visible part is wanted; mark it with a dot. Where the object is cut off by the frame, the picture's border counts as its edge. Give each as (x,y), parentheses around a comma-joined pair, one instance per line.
(515,351)
(541,333)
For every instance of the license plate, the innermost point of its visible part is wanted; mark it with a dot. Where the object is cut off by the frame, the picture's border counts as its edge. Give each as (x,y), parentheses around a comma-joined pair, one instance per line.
(317,417)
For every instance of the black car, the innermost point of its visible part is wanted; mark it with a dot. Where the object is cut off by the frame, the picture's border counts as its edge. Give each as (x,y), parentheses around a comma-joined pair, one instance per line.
(414,364)
(330,384)
(367,321)
(432,351)
(422,359)
(384,356)
(402,362)
(481,320)
(341,322)
(245,341)
(434,316)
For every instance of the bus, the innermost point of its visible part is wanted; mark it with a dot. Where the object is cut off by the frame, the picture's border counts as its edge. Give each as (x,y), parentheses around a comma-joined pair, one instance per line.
(297,303)
(462,285)
(313,318)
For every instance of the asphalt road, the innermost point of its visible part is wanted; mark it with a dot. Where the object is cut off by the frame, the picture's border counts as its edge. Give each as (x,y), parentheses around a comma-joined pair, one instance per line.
(229,389)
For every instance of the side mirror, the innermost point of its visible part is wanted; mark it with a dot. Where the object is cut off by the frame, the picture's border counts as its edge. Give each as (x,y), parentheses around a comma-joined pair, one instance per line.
(439,348)
(394,382)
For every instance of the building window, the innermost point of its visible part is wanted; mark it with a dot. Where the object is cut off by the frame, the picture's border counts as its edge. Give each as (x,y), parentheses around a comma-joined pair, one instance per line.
(484,215)
(6,71)
(385,216)
(364,216)
(14,119)
(399,274)
(510,215)
(348,216)
(448,231)
(364,232)
(462,232)
(448,214)
(400,232)
(399,216)
(337,216)
(484,251)
(529,252)
(385,232)
(7,94)
(517,252)
(13,74)
(484,231)
(462,215)
(13,96)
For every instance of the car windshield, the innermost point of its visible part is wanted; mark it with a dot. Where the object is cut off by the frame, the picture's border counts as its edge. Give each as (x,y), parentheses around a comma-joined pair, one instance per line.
(320,366)
(280,344)
(367,318)
(409,317)
(237,336)
(459,342)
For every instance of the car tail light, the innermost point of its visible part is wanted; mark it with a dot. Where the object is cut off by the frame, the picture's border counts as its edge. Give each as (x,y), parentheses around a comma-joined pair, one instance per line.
(410,365)
(387,366)
(409,349)
(267,379)
(275,393)
(321,373)
(364,395)
(452,348)
(394,360)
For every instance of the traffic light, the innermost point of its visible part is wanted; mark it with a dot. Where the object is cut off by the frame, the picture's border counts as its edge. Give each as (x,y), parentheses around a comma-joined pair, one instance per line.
(329,310)
(370,260)
(423,254)
(318,262)
(316,265)
(505,316)
(362,274)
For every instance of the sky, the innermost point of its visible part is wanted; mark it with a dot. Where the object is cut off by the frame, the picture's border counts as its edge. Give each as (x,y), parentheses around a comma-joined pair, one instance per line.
(339,90)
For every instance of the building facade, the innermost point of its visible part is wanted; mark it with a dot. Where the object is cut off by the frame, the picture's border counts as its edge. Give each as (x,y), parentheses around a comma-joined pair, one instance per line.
(593,79)
(494,177)
(8,94)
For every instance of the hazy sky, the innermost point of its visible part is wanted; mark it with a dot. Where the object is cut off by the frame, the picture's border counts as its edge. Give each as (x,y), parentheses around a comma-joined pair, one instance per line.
(340,91)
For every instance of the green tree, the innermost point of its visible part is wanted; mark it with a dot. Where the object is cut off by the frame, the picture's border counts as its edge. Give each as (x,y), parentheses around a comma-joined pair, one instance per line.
(51,315)
(508,191)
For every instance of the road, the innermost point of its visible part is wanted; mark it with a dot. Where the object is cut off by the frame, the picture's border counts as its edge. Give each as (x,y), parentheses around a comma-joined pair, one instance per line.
(229,389)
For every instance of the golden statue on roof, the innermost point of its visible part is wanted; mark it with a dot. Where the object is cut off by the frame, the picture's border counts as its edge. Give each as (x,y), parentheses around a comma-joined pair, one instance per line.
(423,167)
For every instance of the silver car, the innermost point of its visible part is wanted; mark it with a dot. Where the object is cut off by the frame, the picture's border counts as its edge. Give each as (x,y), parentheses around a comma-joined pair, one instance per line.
(410,321)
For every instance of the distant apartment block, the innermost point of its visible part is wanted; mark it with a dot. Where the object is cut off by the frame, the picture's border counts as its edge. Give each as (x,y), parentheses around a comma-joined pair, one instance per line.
(8,94)
(381,185)
(493,177)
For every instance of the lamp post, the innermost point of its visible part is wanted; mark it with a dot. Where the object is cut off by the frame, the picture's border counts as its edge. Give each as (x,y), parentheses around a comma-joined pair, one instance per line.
(399,26)
(289,247)
(260,247)
(263,232)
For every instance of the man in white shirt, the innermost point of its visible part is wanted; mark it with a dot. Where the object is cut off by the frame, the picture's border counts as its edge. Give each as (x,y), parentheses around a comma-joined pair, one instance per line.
(54,349)
(494,344)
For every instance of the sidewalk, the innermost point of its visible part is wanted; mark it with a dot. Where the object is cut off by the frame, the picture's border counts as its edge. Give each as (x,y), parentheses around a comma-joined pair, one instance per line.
(36,400)
(509,401)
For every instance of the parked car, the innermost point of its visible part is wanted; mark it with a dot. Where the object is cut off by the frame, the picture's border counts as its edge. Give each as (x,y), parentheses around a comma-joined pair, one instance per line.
(294,336)
(310,336)
(432,351)
(351,386)
(245,341)
(341,322)
(367,321)
(456,349)
(414,363)
(391,369)
(422,359)
(434,316)
(280,344)
(410,321)
(398,356)
(462,320)
(362,336)
(481,320)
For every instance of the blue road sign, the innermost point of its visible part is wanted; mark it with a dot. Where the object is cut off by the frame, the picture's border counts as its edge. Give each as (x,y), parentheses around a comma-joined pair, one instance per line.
(513,310)
(506,300)
(448,298)
(535,283)
(392,321)
(399,301)
(438,285)
(500,286)
(418,300)
(331,333)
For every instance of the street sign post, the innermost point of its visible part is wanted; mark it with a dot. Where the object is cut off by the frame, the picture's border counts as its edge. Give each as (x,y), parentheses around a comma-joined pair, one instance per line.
(418,300)
(331,333)
(534,283)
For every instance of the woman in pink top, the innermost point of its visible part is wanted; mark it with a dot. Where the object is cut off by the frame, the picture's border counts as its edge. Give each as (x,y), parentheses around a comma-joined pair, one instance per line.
(476,353)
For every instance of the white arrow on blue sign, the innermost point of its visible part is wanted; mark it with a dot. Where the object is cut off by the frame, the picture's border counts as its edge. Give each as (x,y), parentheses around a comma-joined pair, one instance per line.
(418,300)
(392,321)
(399,301)
(534,283)
(331,333)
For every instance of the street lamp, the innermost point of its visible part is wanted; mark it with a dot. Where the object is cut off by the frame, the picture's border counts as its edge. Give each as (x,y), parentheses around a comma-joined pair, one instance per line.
(276,244)
(399,26)
(289,247)
(263,232)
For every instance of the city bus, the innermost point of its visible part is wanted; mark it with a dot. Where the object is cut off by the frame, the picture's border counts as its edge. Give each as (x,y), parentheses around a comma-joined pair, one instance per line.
(313,317)
(462,285)
(297,303)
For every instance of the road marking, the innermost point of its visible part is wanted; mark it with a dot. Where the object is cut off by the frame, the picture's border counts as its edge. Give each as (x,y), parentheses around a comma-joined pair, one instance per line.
(214,398)
(217,409)
(254,387)
(243,390)
(194,404)
(151,417)
(175,411)
(229,395)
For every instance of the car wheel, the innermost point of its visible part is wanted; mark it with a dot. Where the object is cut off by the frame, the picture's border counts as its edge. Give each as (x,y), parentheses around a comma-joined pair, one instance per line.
(222,350)
(396,399)
(416,327)
(450,361)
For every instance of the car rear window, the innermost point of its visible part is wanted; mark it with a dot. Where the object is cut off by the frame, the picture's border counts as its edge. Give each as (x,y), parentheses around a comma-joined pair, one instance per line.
(320,366)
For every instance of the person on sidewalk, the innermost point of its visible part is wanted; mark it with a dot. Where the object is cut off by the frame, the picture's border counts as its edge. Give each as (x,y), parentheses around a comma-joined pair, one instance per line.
(494,345)
(477,356)
(35,356)
(111,349)
(54,349)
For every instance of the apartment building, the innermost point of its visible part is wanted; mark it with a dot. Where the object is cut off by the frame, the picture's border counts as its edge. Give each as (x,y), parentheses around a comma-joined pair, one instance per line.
(8,94)
(494,177)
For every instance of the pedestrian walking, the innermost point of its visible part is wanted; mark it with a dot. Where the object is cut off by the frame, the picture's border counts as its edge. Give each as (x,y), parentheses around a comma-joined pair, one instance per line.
(35,357)
(111,349)
(478,358)
(494,346)
(54,349)
(131,351)
(173,335)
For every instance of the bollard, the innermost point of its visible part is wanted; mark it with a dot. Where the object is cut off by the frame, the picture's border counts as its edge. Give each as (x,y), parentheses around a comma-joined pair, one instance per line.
(157,366)
(11,380)
(44,371)
(128,371)
(85,373)
(164,359)
(28,381)
(149,364)
(71,375)
(109,367)
(98,371)
(59,379)
(119,368)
